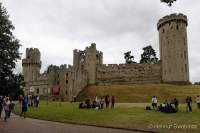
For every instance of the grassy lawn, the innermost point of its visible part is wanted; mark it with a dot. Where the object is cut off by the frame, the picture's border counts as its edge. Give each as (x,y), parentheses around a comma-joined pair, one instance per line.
(142,93)
(124,115)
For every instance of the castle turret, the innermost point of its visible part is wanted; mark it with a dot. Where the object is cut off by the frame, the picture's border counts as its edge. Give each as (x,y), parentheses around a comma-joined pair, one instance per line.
(31,64)
(91,62)
(174,48)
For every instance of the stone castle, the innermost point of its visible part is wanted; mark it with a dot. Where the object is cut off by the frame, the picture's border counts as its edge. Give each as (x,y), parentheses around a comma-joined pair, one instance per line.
(88,67)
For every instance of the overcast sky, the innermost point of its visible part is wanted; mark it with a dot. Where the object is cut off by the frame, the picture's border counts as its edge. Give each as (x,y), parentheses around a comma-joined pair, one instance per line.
(57,27)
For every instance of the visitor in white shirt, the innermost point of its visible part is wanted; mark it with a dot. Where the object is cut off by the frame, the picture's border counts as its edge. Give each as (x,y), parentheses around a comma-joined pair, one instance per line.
(154,102)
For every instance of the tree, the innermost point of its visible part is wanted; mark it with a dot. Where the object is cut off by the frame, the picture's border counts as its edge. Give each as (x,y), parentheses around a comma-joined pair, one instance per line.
(169,2)
(129,58)
(9,54)
(149,55)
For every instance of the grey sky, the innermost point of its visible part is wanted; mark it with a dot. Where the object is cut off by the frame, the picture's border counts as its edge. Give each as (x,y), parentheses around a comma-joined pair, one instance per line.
(57,27)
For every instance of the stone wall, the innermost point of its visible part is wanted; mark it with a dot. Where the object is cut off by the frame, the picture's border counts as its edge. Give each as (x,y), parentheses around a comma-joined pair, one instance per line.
(128,73)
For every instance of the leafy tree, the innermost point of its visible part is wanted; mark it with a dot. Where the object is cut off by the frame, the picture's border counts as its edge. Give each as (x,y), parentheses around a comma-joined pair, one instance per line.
(129,58)
(9,54)
(169,2)
(149,55)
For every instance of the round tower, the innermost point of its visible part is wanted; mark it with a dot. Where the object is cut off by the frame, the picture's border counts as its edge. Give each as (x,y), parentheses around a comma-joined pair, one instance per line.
(174,48)
(31,64)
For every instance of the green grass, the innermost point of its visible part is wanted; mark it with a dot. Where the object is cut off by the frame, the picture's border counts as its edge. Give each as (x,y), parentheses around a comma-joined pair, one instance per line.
(131,116)
(141,93)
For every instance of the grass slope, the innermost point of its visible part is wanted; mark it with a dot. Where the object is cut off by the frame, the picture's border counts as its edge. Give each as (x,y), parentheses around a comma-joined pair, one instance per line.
(141,93)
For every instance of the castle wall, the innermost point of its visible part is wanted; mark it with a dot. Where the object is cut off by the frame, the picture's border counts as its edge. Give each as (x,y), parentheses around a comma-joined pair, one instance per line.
(128,73)
(40,87)
(80,81)
(63,81)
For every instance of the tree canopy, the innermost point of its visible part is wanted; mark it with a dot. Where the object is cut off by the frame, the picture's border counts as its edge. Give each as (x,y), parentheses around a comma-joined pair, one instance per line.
(149,55)
(9,54)
(129,59)
(169,2)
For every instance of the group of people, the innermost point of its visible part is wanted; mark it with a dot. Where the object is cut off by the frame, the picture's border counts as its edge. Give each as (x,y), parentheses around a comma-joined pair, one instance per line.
(172,105)
(98,103)
(25,101)
(33,101)
(7,105)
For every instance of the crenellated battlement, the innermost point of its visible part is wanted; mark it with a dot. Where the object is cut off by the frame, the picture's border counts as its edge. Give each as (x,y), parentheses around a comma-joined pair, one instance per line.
(172,17)
(63,67)
(125,66)
(52,68)
(92,46)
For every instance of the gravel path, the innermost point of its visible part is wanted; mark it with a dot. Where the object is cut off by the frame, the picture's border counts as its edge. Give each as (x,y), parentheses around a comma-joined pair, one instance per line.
(20,125)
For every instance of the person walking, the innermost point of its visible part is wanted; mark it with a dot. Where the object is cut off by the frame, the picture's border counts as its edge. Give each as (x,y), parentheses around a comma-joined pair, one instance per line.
(10,107)
(24,107)
(113,102)
(6,105)
(188,104)
(198,101)
(1,105)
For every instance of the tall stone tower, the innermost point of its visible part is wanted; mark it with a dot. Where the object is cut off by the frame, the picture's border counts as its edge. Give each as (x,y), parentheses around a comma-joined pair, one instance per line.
(91,62)
(174,48)
(31,64)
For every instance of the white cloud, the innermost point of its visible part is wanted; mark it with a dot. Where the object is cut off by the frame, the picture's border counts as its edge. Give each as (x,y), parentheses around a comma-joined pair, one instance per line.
(117,26)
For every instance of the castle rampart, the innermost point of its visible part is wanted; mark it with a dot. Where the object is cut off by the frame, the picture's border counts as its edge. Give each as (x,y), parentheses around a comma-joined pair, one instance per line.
(128,73)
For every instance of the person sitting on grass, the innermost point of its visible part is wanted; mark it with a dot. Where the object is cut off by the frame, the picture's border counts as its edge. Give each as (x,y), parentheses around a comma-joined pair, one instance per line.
(88,103)
(82,105)
(198,101)
(24,107)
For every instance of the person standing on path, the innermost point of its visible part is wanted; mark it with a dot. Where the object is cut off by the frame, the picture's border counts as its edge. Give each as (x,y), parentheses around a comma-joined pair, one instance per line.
(1,105)
(6,105)
(24,107)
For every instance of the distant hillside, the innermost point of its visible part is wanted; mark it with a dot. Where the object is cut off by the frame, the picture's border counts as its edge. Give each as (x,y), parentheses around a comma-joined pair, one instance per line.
(141,93)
